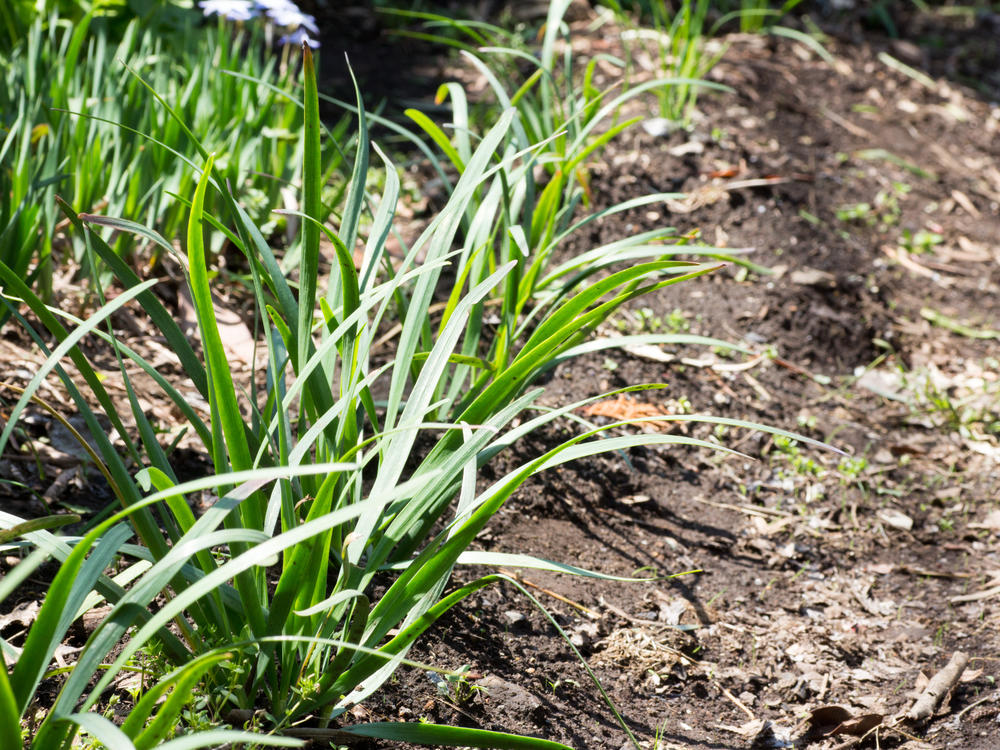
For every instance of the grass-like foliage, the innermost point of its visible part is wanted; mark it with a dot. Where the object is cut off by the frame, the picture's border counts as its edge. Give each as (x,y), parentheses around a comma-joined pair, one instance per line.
(755,15)
(17,16)
(345,476)
(70,113)
(678,40)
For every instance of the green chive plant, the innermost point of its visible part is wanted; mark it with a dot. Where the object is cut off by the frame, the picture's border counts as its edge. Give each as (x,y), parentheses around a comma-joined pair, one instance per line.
(344,491)
(558,104)
(679,40)
(17,16)
(755,15)
(70,111)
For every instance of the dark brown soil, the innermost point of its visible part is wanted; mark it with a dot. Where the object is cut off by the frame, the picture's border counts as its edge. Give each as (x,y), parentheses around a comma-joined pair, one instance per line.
(813,578)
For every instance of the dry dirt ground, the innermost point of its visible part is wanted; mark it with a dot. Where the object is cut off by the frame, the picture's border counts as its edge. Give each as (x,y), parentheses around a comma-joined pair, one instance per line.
(829,587)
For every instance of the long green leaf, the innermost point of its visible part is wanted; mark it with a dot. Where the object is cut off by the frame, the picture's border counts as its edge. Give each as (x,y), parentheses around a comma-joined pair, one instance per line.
(437,734)
(311,189)
(71,585)
(10,714)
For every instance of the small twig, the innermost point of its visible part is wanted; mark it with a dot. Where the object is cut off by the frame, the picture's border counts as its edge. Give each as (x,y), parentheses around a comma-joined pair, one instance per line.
(940,685)
(991,697)
(847,125)
(759,389)
(750,510)
(797,369)
(903,258)
(586,610)
(765,181)
(932,573)
(978,596)
(736,701)
(857,740)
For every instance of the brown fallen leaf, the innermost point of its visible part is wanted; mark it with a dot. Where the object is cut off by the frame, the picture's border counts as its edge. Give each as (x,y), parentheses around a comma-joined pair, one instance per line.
(860,726)
(622,407)
(823,720)
(828,721)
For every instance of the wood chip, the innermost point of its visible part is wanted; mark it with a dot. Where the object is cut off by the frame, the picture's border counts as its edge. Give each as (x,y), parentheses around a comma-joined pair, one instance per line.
(963,200)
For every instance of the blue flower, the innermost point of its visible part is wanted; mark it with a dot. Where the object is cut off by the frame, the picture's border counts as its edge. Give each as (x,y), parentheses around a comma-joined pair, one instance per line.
(234,10)
(275,4)
(291,16)
(298,38)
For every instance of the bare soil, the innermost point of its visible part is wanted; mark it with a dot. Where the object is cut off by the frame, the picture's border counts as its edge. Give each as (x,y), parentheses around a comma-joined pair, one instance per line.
(812,578)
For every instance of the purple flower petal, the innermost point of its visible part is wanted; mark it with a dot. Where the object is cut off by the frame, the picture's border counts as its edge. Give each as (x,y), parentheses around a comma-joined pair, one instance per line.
(276,5)
(298,38)
(234,10)
(294,18)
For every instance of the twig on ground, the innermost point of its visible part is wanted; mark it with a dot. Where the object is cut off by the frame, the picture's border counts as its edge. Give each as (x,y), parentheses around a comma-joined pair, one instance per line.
(847,125)
(991,697)
(978,596)
(736,702)
(932,573)
(586,610)
(940,686)
(750,510)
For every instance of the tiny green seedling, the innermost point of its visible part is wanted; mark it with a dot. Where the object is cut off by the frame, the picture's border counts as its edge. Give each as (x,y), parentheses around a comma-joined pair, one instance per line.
(455,686)
(921,242)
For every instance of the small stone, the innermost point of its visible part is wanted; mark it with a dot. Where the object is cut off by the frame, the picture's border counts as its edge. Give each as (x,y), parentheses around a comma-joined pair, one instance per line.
(516,621)
(896,519)
(584,634)
(813,277)
(660,126)
(515,698)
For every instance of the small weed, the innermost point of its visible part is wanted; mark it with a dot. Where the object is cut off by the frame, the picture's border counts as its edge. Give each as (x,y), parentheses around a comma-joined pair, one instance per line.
(645,320)
(455,686)
(811,218)
(860,212)
(801,465)
(806,421)
(940,634)
(883,213)
(648,320)
(554,685)
(850,469)
(680,44)
(921,242)
(676,321)
(681,405)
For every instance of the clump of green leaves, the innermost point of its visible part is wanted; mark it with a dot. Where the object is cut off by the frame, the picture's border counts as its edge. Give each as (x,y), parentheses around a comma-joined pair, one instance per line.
(71,115)
(680,43)
(344,492)
(922,242)
(755,15)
